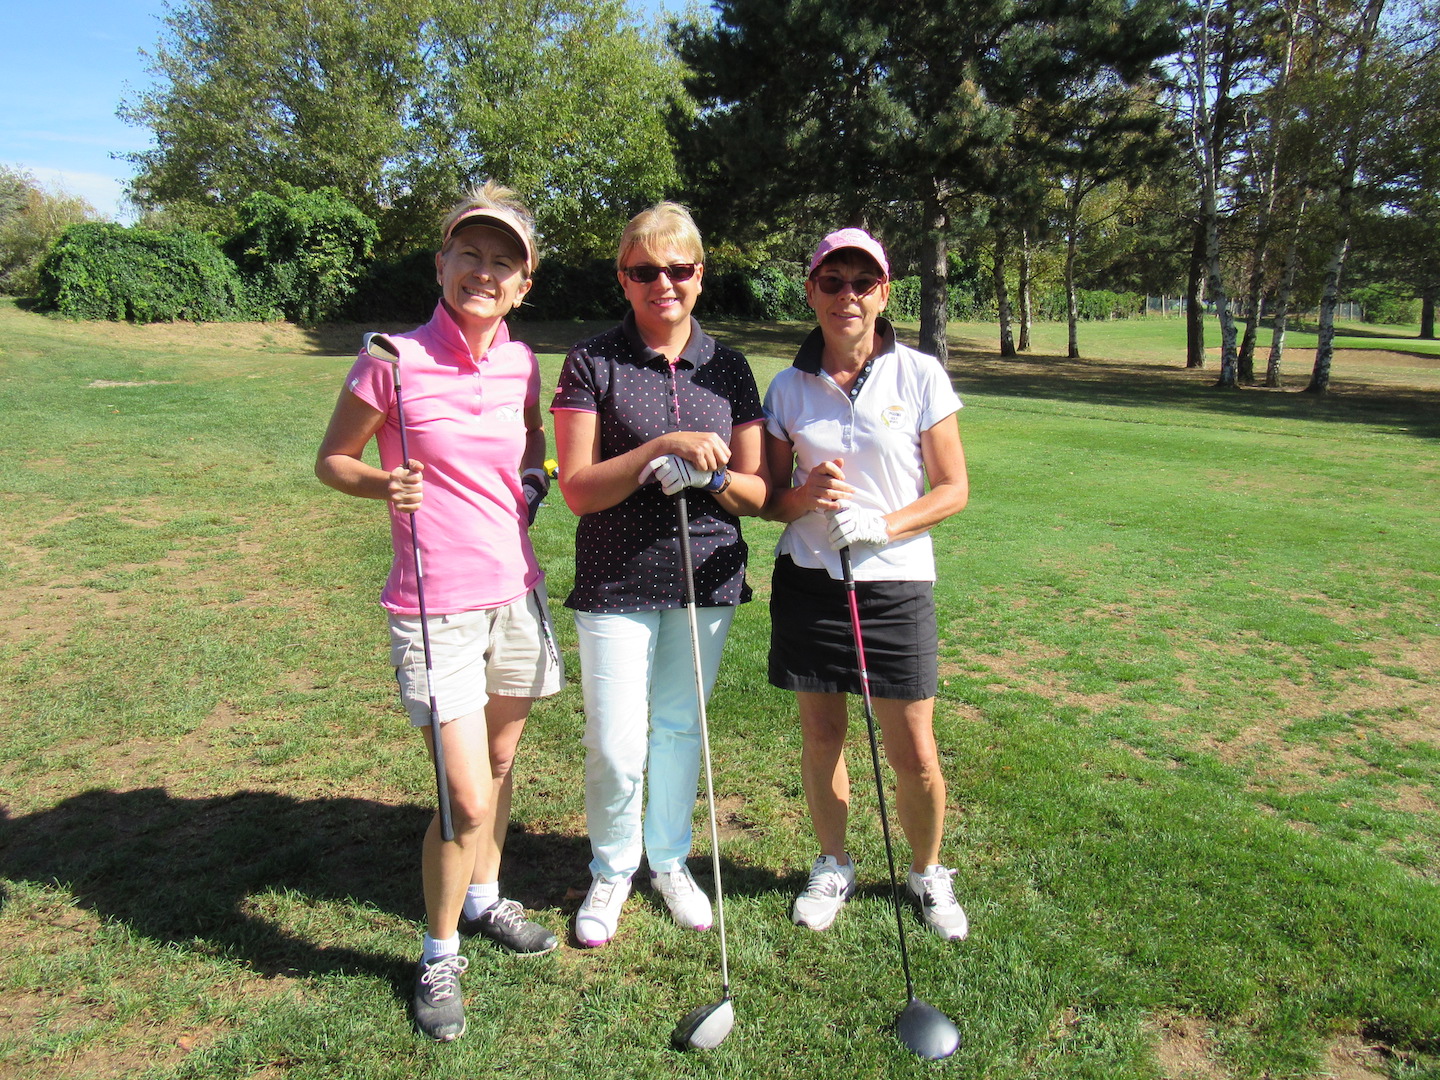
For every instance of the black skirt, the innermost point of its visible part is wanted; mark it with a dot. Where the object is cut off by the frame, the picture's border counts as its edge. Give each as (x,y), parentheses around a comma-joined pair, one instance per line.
(812,644)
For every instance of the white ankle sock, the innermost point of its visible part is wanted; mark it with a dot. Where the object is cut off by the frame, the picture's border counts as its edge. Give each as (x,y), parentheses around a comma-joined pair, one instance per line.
(481,898)
(434,948)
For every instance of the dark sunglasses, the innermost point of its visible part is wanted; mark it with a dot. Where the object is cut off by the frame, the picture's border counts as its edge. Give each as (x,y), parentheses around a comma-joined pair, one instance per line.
(646,274)
(830,284)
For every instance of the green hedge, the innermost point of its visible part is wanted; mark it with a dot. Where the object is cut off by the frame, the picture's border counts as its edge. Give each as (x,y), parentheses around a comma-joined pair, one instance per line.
(1094,305)
(962,303)
(301,252)
(105,271)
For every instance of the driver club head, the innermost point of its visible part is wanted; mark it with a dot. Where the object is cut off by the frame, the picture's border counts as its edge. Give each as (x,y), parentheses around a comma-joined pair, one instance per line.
(706,1027)
(380,347)
(926,1032)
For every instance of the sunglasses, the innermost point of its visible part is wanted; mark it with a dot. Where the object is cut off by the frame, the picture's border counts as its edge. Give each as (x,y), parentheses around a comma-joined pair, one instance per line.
(830,284)
(646,274)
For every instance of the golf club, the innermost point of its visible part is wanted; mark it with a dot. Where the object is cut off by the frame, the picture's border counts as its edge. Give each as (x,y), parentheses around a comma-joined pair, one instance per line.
(707,1026)
(379,347)
(923,1029)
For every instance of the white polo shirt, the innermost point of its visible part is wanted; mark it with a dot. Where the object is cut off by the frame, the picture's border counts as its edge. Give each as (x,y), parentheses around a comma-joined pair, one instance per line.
(876,433)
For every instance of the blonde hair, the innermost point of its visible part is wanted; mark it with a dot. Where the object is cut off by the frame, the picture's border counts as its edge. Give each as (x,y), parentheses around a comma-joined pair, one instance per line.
(666,224)
(496,196)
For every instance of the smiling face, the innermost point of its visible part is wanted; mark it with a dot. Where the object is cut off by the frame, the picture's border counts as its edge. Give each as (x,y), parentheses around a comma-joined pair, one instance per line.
(482,275)
(846,317)
(662,307)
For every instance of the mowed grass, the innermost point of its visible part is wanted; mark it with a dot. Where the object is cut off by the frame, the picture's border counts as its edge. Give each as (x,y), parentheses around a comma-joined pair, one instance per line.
(1190,667)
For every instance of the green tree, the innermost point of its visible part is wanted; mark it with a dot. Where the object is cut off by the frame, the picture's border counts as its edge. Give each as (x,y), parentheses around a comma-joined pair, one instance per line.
(401,105)
(565,100)
(1358,115)
(1222,65)
(301,252)
(881,111)
(32,218)
(248,94)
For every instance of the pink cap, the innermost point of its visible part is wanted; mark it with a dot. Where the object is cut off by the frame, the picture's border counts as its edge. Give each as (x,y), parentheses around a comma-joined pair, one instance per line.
(851,238)
(495,217)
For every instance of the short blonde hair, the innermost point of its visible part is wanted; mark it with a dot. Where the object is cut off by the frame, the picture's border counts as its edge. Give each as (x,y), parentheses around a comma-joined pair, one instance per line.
(506,208)
(666,224)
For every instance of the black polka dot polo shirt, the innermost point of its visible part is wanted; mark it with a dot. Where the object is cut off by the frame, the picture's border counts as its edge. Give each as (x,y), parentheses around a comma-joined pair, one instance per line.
(627,557)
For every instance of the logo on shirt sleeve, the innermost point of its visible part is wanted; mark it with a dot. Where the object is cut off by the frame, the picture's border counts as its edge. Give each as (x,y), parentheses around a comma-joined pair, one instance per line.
(893,417)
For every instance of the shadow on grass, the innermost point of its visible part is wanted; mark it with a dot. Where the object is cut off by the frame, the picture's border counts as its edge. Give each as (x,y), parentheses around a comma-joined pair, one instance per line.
(1407,410)
(182,870)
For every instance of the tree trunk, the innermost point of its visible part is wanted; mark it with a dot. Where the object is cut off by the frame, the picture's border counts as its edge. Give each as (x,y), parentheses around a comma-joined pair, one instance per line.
(1002,294)
(1072,298)
(1427,312)
(1282,299)
(1245,360)
(1216,287)
(1329,300)
(934,283)
(1025,290)
(1195,303)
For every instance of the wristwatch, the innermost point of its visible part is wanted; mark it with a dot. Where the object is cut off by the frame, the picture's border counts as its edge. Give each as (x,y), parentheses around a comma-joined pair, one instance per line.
(719,481)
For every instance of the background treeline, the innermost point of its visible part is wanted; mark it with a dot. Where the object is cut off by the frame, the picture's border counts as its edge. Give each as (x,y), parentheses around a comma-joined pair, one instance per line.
(1022,159)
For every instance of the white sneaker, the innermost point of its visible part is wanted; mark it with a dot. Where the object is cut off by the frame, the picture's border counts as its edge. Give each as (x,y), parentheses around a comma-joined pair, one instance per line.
(598,916)
(688,905)
(935,893)
(830,885)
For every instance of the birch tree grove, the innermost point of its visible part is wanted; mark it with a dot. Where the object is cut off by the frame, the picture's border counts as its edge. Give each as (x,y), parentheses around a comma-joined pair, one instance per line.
(1220,61)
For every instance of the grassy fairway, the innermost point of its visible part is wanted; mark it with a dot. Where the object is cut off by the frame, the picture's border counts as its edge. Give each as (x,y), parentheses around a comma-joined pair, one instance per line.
(1190,666)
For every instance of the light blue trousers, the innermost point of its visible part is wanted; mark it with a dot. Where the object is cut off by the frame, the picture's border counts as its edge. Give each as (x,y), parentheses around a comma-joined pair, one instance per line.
(638,676)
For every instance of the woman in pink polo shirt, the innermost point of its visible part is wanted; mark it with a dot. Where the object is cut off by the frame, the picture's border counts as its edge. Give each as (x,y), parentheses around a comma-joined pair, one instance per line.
(475,475)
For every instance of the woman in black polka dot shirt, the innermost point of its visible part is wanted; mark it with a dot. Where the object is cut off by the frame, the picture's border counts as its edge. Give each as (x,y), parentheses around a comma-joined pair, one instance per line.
(646,409)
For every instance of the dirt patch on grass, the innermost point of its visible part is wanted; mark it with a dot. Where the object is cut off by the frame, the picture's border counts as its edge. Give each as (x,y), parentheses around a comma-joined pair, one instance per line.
(1183,1049)
(1352,1058)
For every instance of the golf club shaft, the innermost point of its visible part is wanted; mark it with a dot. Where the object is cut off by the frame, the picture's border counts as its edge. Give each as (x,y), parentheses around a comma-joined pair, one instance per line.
(442,780)
(689,571)
(875,761)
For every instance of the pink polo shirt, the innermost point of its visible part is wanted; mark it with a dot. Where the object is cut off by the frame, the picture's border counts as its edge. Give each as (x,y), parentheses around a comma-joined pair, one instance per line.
(465,420)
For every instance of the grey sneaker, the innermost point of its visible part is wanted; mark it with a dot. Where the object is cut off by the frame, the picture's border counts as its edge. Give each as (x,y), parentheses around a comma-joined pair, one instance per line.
(506,925)
(830,885)
(935,893)
(439,1005)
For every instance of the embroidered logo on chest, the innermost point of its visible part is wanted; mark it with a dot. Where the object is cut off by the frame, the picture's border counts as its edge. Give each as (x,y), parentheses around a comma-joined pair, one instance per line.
(893,417)
(508,413)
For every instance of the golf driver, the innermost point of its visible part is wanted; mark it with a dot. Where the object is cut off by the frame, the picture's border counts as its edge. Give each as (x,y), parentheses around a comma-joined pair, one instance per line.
(923,1029)
(707,1026)
(379,347)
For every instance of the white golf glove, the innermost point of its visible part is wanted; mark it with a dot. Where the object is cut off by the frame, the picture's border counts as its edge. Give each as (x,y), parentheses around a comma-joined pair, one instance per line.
(673,473)
(535,483)
(851,525)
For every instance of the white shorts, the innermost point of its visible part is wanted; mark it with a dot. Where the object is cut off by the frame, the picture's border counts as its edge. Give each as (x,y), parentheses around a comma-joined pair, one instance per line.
(509,651)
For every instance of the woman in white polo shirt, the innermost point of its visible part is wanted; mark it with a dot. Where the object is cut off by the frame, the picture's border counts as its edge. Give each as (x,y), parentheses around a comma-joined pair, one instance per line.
(854,430)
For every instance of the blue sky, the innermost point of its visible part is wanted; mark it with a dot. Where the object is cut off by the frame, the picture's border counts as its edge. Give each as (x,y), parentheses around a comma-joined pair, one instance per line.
(66,69)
